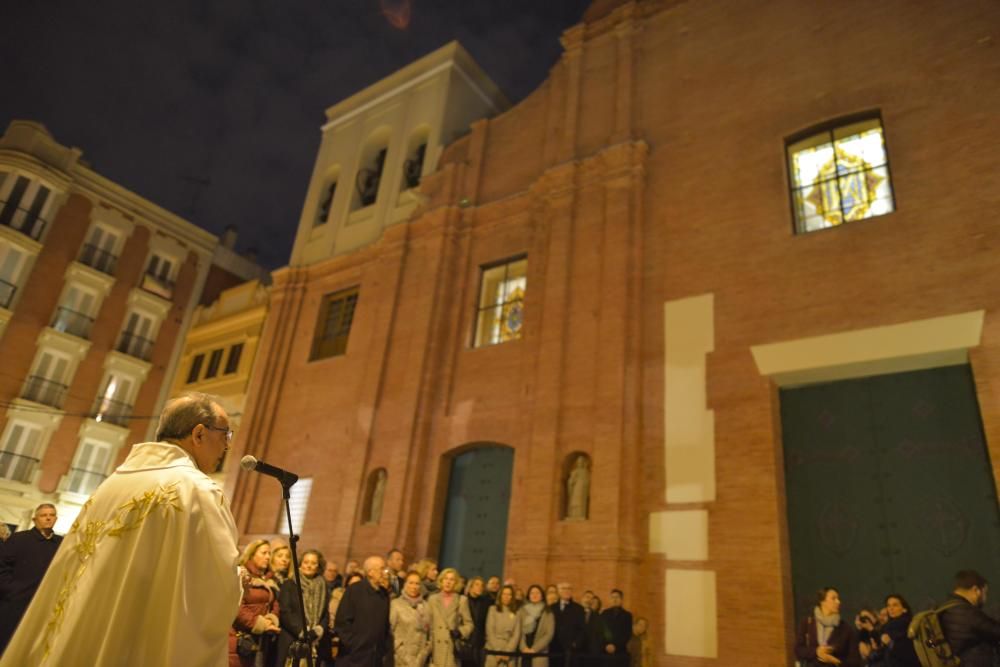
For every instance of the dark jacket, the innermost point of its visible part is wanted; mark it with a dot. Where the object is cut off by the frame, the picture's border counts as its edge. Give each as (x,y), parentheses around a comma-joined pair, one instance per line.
(597,633)
(972,634)
(571,631)
(291,616)
(362,624)
(24,559)
(844,641)
(900,652)
(479,607)
(618,622)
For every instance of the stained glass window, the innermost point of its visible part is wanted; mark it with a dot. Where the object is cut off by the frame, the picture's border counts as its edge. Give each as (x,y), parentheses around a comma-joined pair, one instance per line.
(840,175)
(500,316)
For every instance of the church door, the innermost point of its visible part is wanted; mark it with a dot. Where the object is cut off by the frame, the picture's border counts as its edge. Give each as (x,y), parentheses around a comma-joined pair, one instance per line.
(889,487)
(475,518)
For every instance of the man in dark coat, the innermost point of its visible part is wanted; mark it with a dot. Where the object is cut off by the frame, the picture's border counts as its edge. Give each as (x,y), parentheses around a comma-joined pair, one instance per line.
(618,629)
(362,621)
(24,558)
(571,635)
(972,635)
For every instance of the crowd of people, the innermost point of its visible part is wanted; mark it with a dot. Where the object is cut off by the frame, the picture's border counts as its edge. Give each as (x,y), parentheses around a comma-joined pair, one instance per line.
(382,613)
(881,638)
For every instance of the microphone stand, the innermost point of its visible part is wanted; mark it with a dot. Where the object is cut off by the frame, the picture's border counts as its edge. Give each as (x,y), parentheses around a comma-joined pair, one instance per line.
(299,644)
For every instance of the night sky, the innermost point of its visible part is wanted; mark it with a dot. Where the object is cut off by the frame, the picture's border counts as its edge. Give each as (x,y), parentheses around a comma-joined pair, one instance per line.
(212,108)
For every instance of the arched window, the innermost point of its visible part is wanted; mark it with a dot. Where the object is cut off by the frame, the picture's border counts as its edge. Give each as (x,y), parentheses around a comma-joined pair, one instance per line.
(374,496)
(576,471)
(326,197)
(370,167)
(413,165)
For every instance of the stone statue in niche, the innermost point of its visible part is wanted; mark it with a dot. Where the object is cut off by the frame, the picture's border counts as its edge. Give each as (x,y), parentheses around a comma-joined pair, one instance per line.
(378,495)
(578,489)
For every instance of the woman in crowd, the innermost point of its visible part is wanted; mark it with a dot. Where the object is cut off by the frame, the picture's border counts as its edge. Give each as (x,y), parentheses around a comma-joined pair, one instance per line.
(281,559)
(479,606)
(503,628)
(640,650)
(428,571)
(251,638)
(595,630)
(899,648)
(551,594)
(869,638)
(538,626)
(450,618)
(314,601)
(824,638)
(410,622)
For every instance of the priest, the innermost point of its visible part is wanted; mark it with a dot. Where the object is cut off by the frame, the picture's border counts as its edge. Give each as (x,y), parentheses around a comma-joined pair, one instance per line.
(147,574)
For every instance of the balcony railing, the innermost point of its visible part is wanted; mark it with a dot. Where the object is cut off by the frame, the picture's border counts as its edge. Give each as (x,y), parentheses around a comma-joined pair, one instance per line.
(135,346)
(84,481)
(23,220)
(99,259)
(17,467)
(158,286)
(44,391)
(112,411)
(7,292)
(72,322)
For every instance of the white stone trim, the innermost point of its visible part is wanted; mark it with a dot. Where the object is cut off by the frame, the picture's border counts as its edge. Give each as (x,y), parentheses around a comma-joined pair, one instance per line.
(148,304)
(691,606)
(90,279)
(679,534)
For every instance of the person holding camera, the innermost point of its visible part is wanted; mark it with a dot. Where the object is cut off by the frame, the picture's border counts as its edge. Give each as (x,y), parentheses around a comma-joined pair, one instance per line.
(870,638)
(450,619)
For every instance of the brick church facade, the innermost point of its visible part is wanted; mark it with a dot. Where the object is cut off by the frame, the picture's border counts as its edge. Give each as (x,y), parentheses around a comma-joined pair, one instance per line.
(672,277)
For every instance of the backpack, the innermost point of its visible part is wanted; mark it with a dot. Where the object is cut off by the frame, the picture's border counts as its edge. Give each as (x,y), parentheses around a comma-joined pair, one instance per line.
(929,642)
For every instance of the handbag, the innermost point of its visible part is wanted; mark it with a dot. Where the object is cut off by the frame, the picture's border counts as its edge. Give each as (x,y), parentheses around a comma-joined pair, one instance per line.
(246,645)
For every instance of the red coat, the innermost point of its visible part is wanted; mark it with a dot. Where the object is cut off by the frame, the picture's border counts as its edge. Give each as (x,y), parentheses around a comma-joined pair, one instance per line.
(260,597)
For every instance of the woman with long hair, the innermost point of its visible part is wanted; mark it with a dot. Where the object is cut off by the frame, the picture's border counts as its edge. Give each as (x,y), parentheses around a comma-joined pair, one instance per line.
(899,650)
(314,602)
(251,637)
(824,638)
(503,628)
(538,626)
(410,622)
(428,571)
(450,619)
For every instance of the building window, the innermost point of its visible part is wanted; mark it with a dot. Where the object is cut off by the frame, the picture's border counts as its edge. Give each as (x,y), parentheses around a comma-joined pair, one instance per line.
(114,404)
(21,452)
(213,364)
(21,206)
(48,383)
(838,175)
(90,467)
(75,313)
(298,503)
(137,338)
(500,315)
(323,212)
(12,261)
(233,360)
(99,252)
(195,368)
(336,313)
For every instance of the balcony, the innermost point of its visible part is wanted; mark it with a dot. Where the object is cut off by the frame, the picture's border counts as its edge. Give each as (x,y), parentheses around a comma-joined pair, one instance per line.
(161,287)
(112,411)
(72,322)
(84,481)
(7,292)
(135,346)
(26,221)
(44,391)
(99,259)
(17,467)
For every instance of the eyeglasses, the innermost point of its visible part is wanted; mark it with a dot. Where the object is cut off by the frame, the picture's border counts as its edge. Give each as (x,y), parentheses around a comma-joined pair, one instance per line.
(228,432)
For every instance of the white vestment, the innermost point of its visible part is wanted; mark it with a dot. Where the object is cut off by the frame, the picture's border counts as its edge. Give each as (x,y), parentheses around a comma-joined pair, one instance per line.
(146,576)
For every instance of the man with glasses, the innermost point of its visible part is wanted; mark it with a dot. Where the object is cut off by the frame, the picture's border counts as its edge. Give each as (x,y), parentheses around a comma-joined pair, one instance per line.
(147,574)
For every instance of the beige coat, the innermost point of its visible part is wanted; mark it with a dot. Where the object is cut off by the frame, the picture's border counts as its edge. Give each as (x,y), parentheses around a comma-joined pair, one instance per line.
(503,633)
(411,641)
(544,632)
(443,621)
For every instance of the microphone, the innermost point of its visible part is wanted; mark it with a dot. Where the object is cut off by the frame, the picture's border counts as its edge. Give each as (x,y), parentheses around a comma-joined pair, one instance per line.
(286,478)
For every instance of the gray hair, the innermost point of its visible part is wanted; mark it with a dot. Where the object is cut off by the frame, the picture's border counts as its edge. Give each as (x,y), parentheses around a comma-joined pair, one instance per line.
(43,506)
(181,414)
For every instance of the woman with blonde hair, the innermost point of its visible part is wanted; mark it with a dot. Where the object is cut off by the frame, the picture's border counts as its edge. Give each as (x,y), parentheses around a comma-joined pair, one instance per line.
(503,628)
(428,571)
(450,619)
(256,625)
(281,560)
(410,622)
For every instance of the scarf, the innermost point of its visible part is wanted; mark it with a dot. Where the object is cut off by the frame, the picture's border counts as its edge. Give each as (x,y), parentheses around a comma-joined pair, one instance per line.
(313,597)
(825,625)
(420,607)
(532,612)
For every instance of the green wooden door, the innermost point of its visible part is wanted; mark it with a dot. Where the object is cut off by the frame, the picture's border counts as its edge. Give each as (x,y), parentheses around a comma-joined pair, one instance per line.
(888,486)
(475,520)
